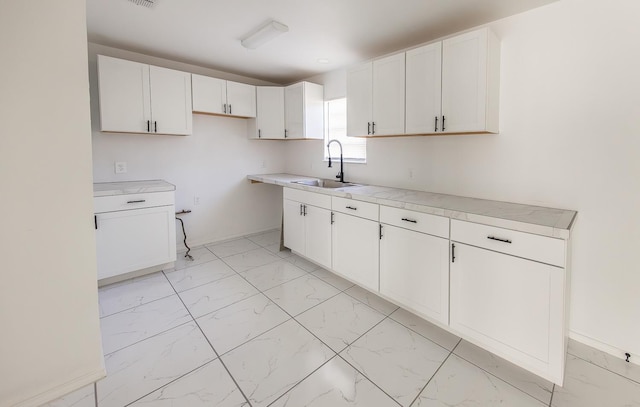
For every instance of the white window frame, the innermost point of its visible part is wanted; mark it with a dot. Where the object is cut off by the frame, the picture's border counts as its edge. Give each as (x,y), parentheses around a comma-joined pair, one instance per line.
(342,137)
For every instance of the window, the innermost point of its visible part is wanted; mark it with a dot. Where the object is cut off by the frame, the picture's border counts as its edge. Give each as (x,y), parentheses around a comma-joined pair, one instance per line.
(354,148)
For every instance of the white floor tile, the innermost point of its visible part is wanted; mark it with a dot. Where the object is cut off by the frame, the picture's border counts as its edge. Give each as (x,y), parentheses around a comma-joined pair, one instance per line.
(269,365)
(529,383)
(372,300)
(335,384)
(272,274)
(200,255)
(266,238)
(208,386)
(240,322)
(459,383)
(131,293)
(248,260)
(213,296)
(333,279)
(198,275)
(304,264)
(275,249)
(146,366)
(231,247)
(396,359)
(84,397)
(605,360)
(128,327)
(588,385)
(340,320)
(299,295)
(427,329)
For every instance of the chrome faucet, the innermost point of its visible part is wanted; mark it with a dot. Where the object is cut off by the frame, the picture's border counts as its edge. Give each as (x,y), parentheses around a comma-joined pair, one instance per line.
(340,175)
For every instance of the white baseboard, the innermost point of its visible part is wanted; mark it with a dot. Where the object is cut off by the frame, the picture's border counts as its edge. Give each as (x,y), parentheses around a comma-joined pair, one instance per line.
(62,389)
(198,243)
(603,347)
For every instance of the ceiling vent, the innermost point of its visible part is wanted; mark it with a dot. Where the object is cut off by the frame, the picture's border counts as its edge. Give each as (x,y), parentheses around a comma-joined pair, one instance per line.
(146,3)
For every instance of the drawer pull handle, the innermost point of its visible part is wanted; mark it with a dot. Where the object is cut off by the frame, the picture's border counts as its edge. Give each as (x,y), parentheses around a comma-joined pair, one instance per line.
(138,201)
(409,220)
(352,208)
(499,240)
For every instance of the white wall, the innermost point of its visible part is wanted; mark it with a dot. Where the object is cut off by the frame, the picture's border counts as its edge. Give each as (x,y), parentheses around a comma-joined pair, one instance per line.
(212,164)
(50,341)
(570,126)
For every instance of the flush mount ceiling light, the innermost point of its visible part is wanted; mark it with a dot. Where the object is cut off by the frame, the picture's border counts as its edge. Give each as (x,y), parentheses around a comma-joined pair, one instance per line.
(264,33)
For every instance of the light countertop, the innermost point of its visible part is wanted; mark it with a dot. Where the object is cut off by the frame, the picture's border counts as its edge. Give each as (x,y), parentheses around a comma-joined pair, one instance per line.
(131,187)
(539,220)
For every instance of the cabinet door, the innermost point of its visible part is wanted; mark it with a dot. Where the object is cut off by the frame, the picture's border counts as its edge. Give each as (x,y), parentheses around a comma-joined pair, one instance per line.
(209,95)
(124,95)
(294,226)
(359,99)
(424,89)
(241,99)
(512,305)
(414,271)
(464,82)
(318,235)
(355,245)
(388,95)
(294,111)
(170,101)
(135,239)
(270,113)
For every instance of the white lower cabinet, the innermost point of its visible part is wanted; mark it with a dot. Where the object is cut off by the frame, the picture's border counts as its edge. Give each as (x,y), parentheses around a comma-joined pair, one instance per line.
(355,243)
(135,238)
(512,306)
(307,225)
(414,271)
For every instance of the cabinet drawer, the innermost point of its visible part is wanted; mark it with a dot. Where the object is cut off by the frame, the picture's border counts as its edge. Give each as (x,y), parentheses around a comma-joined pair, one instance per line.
(132,201)
(309,198)
(529,246)
(418,221)
(356,208)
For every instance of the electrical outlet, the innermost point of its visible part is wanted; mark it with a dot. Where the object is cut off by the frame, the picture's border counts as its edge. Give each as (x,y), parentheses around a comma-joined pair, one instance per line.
(410,173)
(264,163)
(120,167)
(196,200)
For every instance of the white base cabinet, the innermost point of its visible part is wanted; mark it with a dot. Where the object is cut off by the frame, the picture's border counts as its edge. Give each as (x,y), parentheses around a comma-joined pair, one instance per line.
(508,298)
(355,249)
(134,232)
(414,271)
(307,225)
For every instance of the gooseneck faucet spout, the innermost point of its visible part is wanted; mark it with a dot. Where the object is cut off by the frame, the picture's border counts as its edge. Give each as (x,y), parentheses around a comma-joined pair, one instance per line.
(340,175)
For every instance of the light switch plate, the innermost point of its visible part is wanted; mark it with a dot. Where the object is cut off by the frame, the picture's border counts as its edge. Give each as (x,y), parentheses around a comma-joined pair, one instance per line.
(120,167)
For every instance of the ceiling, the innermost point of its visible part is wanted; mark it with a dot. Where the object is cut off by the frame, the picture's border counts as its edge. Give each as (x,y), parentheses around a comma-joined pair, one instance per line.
(208,32)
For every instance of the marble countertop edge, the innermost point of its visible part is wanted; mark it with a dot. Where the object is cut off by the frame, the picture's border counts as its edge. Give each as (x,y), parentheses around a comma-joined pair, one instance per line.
(101,189)
(551,222)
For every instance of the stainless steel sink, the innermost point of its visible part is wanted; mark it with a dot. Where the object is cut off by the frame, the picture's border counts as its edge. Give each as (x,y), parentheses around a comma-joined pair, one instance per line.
(325,183)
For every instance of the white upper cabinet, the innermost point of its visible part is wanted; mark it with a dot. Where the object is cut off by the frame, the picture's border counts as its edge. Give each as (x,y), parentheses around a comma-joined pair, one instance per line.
(171,111)
(125,101)
(470,82)
(217,96)
(304,111)
(424,89)
(388,95)
(449,87)
(209,94)
(139,98)
(241,99)
(359,99)
(269,123)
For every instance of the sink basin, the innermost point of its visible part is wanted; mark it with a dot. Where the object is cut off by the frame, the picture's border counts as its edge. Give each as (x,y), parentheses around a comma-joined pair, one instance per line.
(325,183)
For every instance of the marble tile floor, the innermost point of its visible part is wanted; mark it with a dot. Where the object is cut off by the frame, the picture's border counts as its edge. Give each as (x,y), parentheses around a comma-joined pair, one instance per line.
(248,325)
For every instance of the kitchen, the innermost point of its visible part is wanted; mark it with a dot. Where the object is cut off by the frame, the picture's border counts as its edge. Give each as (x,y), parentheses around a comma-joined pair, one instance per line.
(565,141)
